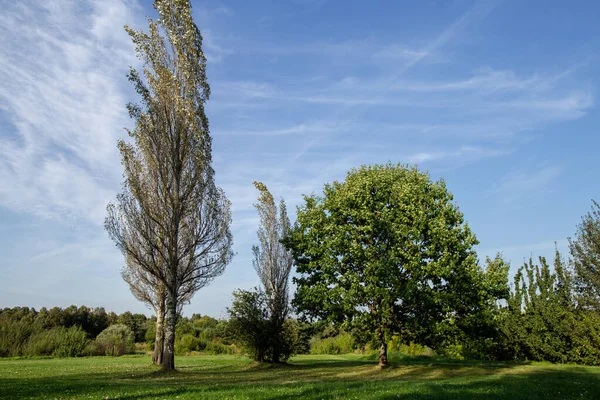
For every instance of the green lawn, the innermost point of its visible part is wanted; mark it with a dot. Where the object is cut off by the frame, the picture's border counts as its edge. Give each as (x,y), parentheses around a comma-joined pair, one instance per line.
(318,377)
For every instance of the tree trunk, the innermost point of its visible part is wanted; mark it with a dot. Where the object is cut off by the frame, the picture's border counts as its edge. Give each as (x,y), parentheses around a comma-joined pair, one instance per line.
(168,361)
(276,341)
(383,358)
(159,343)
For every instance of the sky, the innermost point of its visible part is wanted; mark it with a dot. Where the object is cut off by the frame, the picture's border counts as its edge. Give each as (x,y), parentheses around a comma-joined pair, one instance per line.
(498,98)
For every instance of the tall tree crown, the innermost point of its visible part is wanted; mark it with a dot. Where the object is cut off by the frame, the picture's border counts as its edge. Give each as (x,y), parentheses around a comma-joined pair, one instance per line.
(171,221)
(272,261)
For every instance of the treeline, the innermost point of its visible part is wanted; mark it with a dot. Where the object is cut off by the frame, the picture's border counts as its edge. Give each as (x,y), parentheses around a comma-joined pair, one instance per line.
(84,331)
(69,332)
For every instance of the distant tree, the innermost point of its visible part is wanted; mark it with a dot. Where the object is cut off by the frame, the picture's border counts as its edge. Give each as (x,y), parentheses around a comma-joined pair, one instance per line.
(585,250)
(386,250)
(98,321)
(171,219)
(273,263)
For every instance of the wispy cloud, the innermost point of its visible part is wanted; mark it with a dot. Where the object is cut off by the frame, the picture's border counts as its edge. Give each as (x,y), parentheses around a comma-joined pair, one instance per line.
(65,99)
(464,153)
(524,183)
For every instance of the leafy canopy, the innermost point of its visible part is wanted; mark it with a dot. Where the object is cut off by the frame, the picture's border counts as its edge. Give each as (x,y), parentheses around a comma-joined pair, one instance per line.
(385,250)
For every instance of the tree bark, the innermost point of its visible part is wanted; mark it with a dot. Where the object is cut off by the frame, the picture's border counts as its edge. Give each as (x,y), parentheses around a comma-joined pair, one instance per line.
(159,343)
(168,361)
(383,358)
(276,340)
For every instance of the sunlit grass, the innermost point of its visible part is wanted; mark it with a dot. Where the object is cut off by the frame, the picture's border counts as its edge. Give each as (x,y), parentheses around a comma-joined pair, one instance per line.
(319,377)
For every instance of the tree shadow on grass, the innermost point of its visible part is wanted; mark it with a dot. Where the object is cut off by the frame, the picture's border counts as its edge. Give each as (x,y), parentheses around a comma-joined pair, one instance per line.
(323,379)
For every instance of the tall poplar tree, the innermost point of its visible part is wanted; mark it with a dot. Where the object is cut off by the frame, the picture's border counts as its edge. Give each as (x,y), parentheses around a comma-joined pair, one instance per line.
(273,263)
(171,220)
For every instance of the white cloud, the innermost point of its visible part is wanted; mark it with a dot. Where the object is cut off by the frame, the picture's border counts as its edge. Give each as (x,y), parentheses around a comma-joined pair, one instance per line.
(464,153)
(63,70)
(524,183)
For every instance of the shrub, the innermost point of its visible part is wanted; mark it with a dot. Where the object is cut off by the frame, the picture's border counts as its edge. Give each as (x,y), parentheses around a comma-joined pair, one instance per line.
(395,345)
(250,323)
(453,351)
(186,344)
(14,336)
(340,344)
(115,340)
(58,342)
(73,343)
(219,348)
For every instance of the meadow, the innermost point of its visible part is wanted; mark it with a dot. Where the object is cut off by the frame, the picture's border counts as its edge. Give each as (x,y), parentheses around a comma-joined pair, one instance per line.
(304,377)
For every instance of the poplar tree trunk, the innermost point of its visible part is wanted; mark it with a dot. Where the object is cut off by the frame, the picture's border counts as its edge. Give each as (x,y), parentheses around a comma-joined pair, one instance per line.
(276,339)
(383,358)
(168,362)
(159,343)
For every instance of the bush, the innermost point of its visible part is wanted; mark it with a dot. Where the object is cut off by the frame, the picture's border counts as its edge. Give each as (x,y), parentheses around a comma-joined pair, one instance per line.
(14,336)
(250,323)
(340,344)
(58,342)
(186,344)
(219,348)
(395,345)
(115,340)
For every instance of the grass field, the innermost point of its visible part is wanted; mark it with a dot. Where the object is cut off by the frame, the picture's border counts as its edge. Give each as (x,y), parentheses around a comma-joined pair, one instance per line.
(311,377)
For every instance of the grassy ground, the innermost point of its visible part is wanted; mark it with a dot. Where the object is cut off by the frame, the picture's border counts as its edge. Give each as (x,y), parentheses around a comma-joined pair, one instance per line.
(318,377)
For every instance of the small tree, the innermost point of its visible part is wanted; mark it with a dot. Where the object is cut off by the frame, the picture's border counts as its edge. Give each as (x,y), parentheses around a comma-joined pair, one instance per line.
(249,323)
(384,251)
(585,250)
(273,263)
(115,340)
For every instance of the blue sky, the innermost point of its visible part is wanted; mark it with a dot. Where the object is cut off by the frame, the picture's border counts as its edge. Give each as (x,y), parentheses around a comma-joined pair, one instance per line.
(499,98)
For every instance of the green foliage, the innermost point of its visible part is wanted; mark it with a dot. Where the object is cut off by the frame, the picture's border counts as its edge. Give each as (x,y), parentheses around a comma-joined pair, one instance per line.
(542,322)
(385,251)
(252,325)
(297,335)
(185,327)
(452,351)
(187,343)
(217,348)
(150,336)
(396,345)
(476,335)
(58,342)
(137,323)
(585,250)
(14,334)
(115,340)
(585,338)
(340,344)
